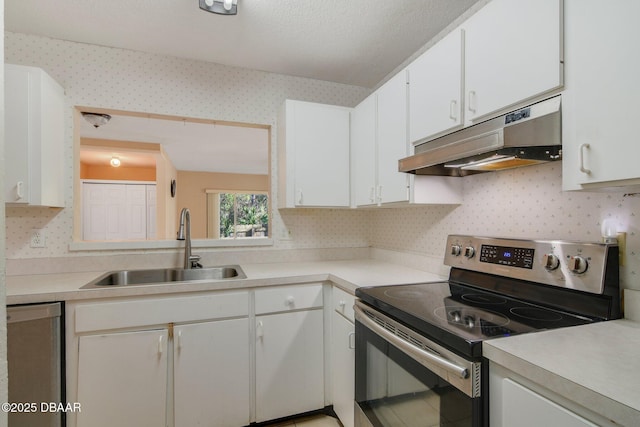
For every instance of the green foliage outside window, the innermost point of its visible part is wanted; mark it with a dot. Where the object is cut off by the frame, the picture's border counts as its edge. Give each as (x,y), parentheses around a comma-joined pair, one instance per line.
(243,215)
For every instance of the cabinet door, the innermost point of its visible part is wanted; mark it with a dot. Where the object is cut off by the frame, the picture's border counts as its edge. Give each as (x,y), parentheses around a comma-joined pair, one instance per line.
(343,368)
(600,101)
(363,154)
(435,89)
(392,140)
(18,135)
(122,379)
(211,373)
(513,52)
(289,364)
(317,139)
(524,408)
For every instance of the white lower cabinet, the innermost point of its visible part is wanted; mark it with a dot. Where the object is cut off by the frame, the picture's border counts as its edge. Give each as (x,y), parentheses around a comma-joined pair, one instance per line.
(343,357)
(122,379)
(161,361)
(519,401)
(289,351)
(219,394)
(195,359)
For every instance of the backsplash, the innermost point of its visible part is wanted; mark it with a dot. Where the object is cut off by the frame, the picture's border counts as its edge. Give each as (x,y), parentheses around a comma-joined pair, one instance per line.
(526,202)
(517,203)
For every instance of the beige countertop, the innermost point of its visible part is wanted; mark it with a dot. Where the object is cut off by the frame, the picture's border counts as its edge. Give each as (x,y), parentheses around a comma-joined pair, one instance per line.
(596,366)
(576,362)
(348,275)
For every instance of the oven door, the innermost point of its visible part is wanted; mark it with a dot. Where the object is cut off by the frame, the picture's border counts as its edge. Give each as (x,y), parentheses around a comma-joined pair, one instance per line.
(404,379)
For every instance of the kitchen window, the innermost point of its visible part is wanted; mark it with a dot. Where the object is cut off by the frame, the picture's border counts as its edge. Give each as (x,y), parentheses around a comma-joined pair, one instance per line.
(237,215)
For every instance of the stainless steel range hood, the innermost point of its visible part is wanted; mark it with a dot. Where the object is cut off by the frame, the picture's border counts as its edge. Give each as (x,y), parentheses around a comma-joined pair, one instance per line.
(524,137)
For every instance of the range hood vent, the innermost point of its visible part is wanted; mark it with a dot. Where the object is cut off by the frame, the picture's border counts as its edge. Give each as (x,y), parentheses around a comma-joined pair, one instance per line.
(528,136)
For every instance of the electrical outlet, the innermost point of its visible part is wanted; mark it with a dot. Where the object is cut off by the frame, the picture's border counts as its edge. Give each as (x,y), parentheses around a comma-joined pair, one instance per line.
(38,239)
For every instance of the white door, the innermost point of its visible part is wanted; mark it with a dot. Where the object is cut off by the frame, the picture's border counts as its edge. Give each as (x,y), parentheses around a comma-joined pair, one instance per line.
(114,211)
(152,212)
(211,373)
(289,364)
(343,368)
(136,212)
(393,186)
(513,51)
(122,379)
(321,138)
(435,89)
(363,146)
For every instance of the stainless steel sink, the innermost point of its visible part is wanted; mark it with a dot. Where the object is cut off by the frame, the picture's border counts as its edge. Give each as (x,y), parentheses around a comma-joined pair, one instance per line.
(166,275)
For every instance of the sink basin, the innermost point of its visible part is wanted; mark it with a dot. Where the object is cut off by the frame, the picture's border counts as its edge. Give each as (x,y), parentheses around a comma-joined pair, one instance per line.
(166,275)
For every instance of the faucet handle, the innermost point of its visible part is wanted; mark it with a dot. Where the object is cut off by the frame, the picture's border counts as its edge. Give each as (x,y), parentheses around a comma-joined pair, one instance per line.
(194,261)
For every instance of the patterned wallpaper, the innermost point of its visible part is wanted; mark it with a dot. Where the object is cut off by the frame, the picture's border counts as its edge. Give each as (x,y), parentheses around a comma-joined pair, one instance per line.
(127,80)
(525,202)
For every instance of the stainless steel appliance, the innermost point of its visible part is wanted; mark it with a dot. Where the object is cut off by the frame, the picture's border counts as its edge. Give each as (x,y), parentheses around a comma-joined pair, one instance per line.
(419,346)
(34,355)
(524,137)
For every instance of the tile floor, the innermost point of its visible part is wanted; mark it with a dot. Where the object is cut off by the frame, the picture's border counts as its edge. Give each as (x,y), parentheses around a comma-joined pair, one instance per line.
(312,421)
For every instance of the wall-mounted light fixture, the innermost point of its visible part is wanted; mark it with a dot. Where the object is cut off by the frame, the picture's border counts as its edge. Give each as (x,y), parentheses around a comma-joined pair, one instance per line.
(115,161)
(96,119)
(221,7)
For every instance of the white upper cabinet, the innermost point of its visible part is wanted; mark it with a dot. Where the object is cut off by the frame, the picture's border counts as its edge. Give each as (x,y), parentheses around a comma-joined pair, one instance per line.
(393,186)
(363,151)
(34,138)
(513,52)
(600,142)
(379,139)
(435,90)
(313,155)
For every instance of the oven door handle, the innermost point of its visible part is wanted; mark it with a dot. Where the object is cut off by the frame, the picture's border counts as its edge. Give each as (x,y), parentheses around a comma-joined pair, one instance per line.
(412,350)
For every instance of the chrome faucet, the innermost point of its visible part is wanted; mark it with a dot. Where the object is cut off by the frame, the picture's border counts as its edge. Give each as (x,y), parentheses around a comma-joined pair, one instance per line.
(190,261)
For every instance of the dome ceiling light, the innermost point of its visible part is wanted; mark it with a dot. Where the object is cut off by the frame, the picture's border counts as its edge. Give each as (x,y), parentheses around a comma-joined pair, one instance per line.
(221,7)
(96,119)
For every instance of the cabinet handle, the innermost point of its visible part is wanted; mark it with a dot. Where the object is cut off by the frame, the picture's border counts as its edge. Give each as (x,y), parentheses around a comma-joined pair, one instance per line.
(179,340)
(352,340)
(453,110)
(19,190)
(372,194)
(160,346)
(379,194)
(342,303)
(584,147)
(472,101)
(300,197)
(259,330)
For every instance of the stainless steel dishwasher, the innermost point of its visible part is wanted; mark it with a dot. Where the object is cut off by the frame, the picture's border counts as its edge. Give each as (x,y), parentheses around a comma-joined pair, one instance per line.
(34,354)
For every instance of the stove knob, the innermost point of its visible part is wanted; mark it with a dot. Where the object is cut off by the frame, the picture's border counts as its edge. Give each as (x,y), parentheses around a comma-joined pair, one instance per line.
(456,316)
(470,321)
(578,264)
(469,252)
(456,250)
(551,262)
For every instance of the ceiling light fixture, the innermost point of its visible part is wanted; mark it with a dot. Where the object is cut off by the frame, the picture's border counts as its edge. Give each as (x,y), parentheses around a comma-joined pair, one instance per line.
(96,119)
(115,161)
(221,7)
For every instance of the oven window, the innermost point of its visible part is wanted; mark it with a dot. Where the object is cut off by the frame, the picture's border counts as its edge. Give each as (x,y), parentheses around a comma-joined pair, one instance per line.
(392,389)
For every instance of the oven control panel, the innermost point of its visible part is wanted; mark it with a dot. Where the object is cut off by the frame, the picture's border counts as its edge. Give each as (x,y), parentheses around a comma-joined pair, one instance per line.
(576,265)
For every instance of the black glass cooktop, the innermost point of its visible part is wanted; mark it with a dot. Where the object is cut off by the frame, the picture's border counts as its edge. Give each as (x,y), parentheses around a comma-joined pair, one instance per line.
(460,316)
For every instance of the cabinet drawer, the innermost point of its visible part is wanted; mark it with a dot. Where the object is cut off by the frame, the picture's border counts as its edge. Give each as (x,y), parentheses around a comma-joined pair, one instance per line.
(155,311)
(287,298)
(343,303)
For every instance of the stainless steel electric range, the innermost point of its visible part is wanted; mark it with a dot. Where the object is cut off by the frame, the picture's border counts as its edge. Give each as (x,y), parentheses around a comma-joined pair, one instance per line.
(419,346)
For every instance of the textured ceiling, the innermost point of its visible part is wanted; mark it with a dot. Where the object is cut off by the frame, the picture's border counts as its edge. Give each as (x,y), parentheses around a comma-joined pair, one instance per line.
(356,42)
